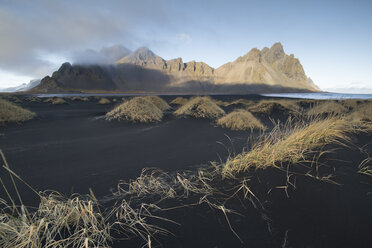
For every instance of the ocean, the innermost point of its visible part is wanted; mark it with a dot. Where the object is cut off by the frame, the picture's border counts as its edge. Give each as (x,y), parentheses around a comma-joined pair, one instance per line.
(323,95)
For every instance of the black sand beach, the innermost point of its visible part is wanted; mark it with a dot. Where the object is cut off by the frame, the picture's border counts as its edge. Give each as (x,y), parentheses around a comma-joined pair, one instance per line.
(71,148)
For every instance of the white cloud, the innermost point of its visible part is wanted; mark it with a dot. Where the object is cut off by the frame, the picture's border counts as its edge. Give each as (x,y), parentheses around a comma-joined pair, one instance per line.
(185,38)
(34,35)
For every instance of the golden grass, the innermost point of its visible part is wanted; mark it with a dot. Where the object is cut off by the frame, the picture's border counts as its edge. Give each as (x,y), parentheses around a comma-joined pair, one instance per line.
(179,101)
(363,112)
(138,109)
(9,112)
(74,222)
(104,100)
(292,144)
(158,102)
(14,99)
(327,108)
(247,103)
(200,107)
(222,103)
(79,98)
(240,119)
(351,103)
(33,99)
(270,106)
(55,101)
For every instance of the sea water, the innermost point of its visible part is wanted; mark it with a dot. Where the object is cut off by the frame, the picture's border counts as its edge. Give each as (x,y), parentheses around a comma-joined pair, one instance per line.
(323,95)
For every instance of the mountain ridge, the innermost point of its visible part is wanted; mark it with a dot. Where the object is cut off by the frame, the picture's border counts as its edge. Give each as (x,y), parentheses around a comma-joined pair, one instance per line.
(269,67)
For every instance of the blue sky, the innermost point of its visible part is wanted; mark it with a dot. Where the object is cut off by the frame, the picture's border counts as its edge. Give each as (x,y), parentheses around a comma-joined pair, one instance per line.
(332,39)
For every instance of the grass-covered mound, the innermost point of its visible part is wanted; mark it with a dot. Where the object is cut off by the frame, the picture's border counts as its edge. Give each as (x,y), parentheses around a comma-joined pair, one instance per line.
(79,98)
(179,101)
(327,108)
(9,112)
(158,102)
(138,109)
(55,101)
(104,101)
(240,120)
(33,99)
(269,107)
(363,112)
(200,107)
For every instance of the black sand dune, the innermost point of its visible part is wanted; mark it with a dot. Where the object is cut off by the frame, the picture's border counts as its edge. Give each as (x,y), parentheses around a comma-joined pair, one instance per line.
(70,148)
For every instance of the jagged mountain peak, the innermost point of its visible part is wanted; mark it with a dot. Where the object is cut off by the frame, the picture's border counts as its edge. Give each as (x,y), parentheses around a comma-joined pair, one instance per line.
(143,56)
(269,66)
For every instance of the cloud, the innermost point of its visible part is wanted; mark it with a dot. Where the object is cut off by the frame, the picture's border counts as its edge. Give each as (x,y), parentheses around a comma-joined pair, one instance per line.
(185,38)
(104,56)
(32,31)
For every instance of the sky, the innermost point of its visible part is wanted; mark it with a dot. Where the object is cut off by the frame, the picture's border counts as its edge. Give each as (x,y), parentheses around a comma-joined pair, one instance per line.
(332,39)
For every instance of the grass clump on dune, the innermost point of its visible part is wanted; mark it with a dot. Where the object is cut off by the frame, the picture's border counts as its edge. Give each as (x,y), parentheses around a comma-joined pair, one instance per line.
(270,106)
(138,109)
(78,98)
(55,101)
(363,112)
(290,144)
(9,112)
(57,222)
(200,107)
(240,120)
(33,99)
(327,108)
(179,101)
(158,102)
(104,101)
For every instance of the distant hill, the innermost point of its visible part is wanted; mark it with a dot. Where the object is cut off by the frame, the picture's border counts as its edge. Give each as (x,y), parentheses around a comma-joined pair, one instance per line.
(266,70)
(23,87)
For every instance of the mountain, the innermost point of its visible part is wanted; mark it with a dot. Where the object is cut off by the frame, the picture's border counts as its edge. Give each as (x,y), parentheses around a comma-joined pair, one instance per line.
(23,87)
(269,65)
(266,70)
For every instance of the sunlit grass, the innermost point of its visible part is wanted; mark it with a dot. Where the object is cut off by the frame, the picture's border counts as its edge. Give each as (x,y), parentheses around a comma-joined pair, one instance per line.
(292,143)
(200,107)
(240,120)
(138,109)
(10,112)
(158,102)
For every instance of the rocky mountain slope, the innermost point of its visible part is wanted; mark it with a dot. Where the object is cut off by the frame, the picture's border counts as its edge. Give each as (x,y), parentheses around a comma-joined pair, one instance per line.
(23,87)
(269,65)
(269,69)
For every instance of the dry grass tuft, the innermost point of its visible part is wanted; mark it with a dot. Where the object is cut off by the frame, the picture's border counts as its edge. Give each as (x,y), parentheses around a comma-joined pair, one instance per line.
(200,107)
(55,101)
(222,103)
(268,107)
(138,109)
(58,222)
(179,101)
(79,98)
(158,102)
(9,112)
(33,99)
(247,103)
(327,108)
(293,143)
(240,120)
(104,101)
(73,222)
(14,99)
(351,103)
(363,112)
